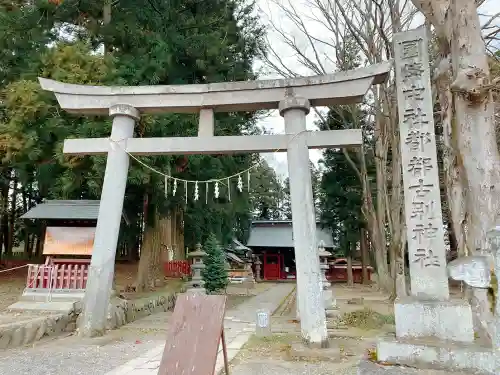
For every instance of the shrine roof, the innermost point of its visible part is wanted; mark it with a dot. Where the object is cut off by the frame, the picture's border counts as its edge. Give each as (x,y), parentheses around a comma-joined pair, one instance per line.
(238,246)
(278,233)
(64,210)
(235,258)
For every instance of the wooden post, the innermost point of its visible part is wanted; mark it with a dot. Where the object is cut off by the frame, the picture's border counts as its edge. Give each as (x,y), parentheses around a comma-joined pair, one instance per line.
(224,352)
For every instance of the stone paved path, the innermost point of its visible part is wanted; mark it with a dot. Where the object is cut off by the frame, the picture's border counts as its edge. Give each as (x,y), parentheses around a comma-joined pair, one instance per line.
(76,356)
(239,326)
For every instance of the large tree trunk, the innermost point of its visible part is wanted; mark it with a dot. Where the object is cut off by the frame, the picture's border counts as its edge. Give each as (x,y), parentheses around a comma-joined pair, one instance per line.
(40,239)
(476,138)
(475,108)
(350,278)
(364,257)
(149,272)
(4,225)
(12,218)
(180,232)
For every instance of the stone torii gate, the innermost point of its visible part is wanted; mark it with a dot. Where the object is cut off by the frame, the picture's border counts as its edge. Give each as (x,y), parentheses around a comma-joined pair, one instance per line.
(293,98)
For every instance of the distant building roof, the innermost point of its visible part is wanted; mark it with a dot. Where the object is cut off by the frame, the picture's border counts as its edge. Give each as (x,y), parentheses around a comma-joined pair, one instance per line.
(234,258)
(278,233)
(238,246)
(65,210)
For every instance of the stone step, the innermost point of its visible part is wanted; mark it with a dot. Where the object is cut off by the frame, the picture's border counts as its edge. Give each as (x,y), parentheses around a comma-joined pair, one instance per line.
(26,331)
(370,368)
(433,353)
(64,307)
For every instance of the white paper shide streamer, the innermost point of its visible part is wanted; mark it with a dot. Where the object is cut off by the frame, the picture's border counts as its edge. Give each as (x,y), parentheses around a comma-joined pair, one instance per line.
(196,192)
(240,184)
(196,189)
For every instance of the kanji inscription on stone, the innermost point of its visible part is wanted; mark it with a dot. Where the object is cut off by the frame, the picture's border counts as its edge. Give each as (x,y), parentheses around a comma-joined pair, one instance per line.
(421,209)
(417,139)
(426,258)
(420,165)
(414,118)
(424,222)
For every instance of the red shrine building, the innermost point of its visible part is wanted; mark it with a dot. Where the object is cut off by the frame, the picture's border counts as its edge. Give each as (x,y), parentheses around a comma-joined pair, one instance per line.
(272,242)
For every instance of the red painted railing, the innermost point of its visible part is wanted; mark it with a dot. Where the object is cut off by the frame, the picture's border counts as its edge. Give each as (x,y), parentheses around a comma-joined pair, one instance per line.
(57,276)
(176,268)
(339,273)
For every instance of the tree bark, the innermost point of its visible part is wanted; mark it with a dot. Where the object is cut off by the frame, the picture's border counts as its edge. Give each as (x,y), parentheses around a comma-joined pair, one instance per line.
(350,278)
(149,271)
(40,239)
(364,257)
(106,19)
(12,218)
(475,110)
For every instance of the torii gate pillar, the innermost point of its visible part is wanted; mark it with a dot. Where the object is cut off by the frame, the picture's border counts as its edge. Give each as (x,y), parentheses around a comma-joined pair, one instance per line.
(102,265)
(312,312)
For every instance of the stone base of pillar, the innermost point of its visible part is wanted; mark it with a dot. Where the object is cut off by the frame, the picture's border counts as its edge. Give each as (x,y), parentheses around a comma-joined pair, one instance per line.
(329,300)
(416,318)
(438,355)
(432,334)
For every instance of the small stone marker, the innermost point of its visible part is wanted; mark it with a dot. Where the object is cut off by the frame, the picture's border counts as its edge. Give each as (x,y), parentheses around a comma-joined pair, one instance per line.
(263,326)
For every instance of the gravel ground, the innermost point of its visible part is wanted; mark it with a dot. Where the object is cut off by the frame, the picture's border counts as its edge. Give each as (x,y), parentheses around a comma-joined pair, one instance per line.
(76,356)
(276,367)
(68,357)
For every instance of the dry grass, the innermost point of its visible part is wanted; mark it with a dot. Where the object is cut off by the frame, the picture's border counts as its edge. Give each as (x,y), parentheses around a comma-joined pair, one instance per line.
(276,346)
(366,319)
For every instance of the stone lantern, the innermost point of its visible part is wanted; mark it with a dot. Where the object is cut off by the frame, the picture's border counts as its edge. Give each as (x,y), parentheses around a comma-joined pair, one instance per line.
(197,284)
(258,264)
(248,259)
(323,255)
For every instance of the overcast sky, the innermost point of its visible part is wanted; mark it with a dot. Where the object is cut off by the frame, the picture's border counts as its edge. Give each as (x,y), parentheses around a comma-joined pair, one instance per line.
(274,122)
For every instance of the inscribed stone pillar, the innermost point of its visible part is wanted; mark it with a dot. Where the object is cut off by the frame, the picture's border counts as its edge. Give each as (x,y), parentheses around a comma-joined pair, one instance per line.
(428,311)
(309,290)
(424,220)
(102,266)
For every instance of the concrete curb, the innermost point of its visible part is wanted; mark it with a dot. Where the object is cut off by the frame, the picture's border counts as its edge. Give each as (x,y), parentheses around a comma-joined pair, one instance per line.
(283,301)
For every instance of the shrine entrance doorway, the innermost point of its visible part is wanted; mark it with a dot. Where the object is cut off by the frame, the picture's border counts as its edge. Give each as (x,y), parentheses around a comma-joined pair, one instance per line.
(273,264)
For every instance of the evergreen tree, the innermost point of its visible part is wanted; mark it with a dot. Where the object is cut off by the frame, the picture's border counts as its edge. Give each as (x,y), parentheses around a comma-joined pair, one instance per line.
(266,193)
(146,43)
(286,205)
(215,273)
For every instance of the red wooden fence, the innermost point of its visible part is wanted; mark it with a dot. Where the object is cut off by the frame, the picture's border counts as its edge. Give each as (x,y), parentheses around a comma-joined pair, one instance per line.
(59,276)
(176,268)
